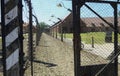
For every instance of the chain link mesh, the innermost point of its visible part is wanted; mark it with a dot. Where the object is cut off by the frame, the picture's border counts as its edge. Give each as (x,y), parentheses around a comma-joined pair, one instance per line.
(97,38)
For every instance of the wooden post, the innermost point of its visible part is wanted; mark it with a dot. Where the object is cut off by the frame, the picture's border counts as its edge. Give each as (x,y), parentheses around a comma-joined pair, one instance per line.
(12,37)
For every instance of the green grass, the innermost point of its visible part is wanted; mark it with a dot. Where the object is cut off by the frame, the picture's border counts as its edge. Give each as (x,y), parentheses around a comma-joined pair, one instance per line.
(98,37)
(69,35)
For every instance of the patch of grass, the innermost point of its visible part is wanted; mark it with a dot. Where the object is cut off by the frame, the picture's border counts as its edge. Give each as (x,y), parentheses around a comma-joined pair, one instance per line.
(69,35)
(118,38)
(96,37)
(25,35)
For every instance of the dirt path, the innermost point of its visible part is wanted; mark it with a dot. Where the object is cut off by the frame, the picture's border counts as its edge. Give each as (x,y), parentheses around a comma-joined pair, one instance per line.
(53,58)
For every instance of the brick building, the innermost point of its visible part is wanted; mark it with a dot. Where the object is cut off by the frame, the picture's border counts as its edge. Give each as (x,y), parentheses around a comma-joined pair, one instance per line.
(26,28)
(88,24)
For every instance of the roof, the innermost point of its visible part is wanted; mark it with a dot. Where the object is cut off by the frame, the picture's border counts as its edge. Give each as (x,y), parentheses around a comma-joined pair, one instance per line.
(97,22)
(89,21)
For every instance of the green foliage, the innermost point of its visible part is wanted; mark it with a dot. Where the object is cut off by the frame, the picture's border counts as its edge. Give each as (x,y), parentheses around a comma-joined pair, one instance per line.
(119,13)
(98,37)
(69,35)
(43,25)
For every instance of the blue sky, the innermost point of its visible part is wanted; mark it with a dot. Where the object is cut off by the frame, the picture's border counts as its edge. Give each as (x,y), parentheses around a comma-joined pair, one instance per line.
(43,9)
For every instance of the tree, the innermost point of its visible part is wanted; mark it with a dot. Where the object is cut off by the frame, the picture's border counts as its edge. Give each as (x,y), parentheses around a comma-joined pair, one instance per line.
(119,13)
(43,25)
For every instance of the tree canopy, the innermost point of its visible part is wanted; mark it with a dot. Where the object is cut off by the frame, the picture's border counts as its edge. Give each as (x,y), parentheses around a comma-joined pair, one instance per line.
(43,25)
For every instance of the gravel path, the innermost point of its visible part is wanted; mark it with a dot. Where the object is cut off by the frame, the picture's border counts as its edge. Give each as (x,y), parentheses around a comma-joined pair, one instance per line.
(52,58)
(55,58)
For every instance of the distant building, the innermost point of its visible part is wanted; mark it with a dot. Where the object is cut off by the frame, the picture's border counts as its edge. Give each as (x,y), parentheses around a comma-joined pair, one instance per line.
(89,24)
(26,28)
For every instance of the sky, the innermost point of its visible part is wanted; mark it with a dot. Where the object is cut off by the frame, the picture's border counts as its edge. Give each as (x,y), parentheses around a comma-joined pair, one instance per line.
(43,9)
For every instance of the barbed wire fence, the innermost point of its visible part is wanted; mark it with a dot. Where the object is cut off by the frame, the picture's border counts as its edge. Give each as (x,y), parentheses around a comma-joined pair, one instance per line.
(98,37)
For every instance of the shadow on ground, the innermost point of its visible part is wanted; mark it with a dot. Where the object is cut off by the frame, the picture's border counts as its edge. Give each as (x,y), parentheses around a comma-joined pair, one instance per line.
(45,63)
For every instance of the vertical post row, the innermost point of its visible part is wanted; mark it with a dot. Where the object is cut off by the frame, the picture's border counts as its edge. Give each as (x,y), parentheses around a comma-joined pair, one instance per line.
(76,36)
(61,29)
(30,36)
(21,53)
(11,37)
(114,5)
(115,38)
